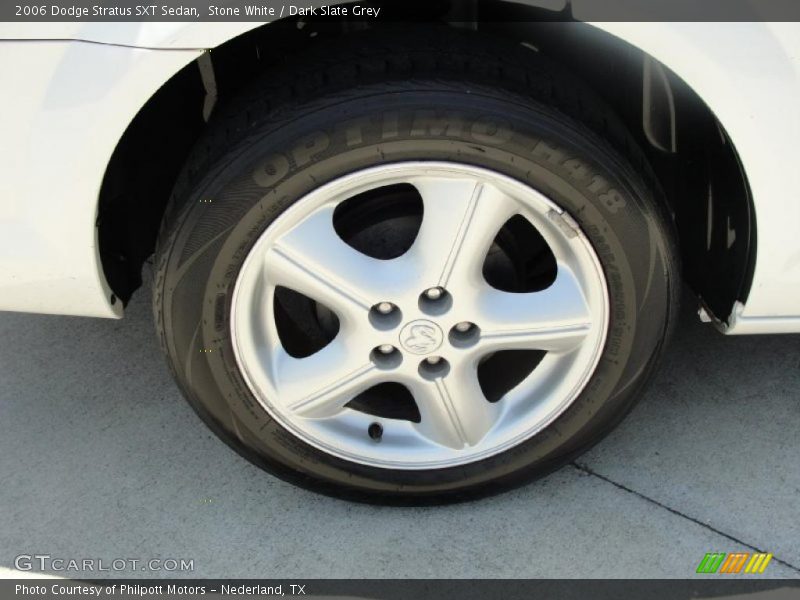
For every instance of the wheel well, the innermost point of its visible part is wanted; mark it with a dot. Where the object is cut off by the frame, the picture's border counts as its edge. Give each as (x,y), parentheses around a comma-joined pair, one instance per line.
(691,154)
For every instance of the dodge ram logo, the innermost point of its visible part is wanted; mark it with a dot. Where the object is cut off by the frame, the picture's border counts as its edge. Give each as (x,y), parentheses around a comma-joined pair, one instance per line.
(421,337)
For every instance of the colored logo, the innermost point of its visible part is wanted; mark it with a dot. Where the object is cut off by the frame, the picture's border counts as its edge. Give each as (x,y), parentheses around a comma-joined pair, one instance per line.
(734,563)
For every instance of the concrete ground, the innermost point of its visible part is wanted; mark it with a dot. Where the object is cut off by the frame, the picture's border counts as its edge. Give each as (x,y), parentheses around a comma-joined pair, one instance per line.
(102,458)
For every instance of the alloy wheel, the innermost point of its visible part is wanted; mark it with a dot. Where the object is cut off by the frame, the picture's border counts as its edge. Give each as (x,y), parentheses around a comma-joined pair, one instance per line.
(427,320)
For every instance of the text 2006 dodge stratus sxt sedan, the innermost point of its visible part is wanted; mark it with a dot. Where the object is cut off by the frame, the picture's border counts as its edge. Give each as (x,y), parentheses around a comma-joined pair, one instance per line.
(405,263)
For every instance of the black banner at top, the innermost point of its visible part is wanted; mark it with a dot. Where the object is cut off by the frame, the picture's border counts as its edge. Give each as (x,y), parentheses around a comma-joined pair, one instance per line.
(397,10)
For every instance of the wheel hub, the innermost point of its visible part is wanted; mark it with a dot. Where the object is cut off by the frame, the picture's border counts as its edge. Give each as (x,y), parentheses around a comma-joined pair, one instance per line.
(421,337)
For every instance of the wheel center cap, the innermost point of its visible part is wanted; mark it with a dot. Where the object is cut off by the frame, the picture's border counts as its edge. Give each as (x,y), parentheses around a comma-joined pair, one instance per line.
(421,336)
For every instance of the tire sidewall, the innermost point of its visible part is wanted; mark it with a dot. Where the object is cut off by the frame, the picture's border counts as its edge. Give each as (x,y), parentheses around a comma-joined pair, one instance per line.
(285,159)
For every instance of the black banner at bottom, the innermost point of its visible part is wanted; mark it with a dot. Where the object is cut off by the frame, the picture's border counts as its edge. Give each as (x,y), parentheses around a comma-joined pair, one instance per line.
(408,589)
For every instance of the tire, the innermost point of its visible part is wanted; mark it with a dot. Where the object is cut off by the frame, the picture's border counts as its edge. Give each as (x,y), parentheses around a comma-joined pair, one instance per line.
(373,100)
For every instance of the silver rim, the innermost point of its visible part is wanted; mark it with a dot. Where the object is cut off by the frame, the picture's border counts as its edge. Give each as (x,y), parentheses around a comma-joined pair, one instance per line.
(424,320)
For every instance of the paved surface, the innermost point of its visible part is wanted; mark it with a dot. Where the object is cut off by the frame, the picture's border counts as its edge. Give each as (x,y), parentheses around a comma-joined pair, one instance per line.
(102,458)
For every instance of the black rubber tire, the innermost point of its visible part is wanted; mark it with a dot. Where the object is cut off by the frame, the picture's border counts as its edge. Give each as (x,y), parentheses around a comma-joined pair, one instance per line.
(457,97)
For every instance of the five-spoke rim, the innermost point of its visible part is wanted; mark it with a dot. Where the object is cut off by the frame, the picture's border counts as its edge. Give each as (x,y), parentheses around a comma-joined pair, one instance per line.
(447,320)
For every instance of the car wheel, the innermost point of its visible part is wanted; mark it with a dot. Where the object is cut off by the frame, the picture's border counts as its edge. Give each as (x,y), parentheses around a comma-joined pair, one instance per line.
(414,271)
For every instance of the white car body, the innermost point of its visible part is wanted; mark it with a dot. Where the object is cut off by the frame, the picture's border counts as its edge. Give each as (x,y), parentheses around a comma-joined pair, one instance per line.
(68,91)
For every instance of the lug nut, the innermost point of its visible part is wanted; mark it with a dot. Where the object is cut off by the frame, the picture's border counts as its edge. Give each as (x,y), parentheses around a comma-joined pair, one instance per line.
(464,334)
(385,308)
(386,357)
(433,367)
(385,315)
(434,293)
(435,301)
